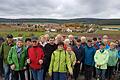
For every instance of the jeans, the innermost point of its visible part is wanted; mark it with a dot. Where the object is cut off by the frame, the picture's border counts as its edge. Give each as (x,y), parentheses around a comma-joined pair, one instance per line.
(37,74)
(101,73)
(6,71)
(59,76)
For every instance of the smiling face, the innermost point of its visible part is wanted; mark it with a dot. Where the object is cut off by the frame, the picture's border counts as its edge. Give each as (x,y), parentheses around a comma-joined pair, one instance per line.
(89,43)
(19,43)
(112,45)
(52,41)
(102,46)
(9,40)
(69,49)
(28,43)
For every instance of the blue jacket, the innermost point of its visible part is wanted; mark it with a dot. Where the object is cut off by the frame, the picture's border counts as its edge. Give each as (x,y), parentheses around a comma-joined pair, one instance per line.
(79,52)
(89,55)
(118,54)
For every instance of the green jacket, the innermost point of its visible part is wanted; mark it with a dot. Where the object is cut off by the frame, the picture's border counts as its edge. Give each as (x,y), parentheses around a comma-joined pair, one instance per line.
(112,57)
(60,62)
(4,50)
(101,59)
(13,58)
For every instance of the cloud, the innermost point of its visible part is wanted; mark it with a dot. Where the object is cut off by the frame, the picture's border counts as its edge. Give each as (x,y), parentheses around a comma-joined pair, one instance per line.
(59,9)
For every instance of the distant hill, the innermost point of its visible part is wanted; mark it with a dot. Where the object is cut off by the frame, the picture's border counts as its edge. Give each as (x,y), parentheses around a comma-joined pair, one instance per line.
(61,21)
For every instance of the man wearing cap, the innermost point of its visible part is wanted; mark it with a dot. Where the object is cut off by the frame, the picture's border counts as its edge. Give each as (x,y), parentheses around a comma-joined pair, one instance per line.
(35,59)
(4,50)
(17,60)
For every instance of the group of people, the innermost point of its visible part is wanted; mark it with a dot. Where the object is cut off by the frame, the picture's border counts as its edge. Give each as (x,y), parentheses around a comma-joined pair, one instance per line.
(60,57)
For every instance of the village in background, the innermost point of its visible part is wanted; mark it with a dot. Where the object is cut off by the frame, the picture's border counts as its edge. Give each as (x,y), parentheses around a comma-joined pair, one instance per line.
(26,29)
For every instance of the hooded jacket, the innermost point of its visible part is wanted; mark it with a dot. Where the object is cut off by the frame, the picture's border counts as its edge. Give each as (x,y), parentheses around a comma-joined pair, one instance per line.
(12,58)
(101,58)
(60,62)
(35,54)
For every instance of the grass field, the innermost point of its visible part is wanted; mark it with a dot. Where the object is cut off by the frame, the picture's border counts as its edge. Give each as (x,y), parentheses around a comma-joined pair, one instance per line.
(21,33)
(112,34)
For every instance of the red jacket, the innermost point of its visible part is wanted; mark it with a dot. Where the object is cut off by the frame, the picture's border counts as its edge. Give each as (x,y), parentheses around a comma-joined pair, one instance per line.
(35,54)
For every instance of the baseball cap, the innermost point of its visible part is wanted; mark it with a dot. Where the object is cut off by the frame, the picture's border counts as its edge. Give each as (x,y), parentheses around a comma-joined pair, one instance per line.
(9,36)
(34,38)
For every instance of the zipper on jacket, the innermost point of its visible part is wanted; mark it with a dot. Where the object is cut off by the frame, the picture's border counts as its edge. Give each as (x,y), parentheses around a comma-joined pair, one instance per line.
(59,65)
(59,61)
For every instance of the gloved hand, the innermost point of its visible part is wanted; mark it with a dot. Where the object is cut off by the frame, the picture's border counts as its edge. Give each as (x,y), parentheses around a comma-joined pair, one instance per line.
(12,66)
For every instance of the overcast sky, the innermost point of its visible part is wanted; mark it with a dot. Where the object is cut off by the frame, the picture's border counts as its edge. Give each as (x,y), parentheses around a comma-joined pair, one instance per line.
(61,9)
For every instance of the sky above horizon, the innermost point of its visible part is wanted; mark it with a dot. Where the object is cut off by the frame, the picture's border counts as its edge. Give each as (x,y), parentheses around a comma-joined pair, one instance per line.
(60,9)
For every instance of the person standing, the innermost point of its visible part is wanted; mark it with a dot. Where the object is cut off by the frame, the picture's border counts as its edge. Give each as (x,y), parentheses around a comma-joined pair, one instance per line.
(101,58)
(60,63)
(4,50)
(28,73)
(17,60)
(35,59)
(79,52)
(72,40)
(49,48)
(1,61)
(72,59)
(112,62)
(89,60)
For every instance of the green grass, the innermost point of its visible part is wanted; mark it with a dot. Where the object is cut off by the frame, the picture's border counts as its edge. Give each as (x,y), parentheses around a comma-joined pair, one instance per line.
(108,32)
(21,33)
(112,34)
(107,26)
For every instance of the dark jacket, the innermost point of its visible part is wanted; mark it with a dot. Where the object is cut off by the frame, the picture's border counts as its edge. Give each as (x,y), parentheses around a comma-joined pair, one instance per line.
(79,52)
(49,49)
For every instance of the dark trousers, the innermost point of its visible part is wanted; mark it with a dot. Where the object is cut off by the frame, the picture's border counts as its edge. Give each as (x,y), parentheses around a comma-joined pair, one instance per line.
(76,70)
(15,75)
(45,71)
(94,72)
(88,72)
(110,72)
(28,72)
(1,67)
(100,73)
